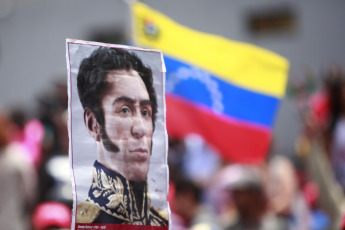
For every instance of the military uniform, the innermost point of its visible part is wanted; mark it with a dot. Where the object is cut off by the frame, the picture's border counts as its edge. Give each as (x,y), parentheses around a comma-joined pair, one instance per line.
(113,199)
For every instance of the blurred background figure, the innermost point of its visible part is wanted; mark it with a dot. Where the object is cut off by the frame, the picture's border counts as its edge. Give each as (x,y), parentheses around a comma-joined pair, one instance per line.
(192,164)
(246,186)
(54,176)
(285,197)
(196,153)
(190,211)
(335,138)
(29,134)
(319,220)
(17,179)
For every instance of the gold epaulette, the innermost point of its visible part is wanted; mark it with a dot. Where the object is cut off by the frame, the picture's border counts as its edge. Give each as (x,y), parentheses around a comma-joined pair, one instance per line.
(87,212)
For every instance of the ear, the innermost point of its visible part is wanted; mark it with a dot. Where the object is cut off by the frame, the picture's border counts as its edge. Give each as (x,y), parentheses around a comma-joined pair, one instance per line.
(92,125)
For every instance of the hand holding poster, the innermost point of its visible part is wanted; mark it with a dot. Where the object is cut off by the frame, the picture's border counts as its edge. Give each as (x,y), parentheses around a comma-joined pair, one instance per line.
(118,141)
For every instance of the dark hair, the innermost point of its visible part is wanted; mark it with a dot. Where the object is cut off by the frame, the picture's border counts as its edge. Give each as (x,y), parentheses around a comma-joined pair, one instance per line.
(92,77)
(184,186)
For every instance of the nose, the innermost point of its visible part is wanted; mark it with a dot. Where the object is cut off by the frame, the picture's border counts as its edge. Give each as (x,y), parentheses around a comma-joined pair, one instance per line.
(138,128)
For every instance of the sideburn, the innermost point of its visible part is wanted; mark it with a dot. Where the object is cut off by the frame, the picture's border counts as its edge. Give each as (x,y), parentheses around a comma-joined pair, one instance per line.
(108,144)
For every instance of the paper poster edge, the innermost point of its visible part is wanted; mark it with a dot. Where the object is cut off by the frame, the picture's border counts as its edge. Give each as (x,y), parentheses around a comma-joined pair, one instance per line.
(95,43)
(69,127)
(166,137)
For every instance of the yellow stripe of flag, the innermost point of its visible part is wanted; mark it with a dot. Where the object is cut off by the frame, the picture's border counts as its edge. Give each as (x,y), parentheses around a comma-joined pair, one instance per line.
(239,63)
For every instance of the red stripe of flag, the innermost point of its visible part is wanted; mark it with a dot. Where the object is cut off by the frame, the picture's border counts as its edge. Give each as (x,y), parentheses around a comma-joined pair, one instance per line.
(235,140)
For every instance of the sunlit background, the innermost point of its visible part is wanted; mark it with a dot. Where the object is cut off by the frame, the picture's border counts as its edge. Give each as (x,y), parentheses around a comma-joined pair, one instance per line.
(33,73)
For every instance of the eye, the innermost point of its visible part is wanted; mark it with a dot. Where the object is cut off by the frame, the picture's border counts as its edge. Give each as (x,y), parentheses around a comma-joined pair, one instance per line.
(146,113)
(125,110)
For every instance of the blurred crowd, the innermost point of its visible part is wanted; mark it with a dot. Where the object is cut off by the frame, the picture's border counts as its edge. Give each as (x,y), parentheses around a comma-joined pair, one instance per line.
(205,193)
(36,191)
(271,195)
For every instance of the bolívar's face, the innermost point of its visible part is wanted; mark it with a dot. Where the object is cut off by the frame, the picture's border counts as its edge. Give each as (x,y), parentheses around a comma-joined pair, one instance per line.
(127,132)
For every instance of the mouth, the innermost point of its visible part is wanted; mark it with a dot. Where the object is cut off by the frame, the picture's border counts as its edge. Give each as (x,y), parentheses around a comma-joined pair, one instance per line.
(139,150)
(140,154)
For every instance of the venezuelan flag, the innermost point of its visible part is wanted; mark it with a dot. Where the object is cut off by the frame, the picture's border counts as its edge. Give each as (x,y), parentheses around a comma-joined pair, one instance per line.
(227,91)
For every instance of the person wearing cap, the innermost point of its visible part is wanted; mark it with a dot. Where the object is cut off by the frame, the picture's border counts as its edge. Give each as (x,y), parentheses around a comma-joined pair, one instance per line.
(246,188)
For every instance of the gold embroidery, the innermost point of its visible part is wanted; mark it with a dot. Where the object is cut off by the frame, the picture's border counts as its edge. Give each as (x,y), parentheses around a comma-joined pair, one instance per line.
(114,201)
(96,193)
(115,196)
(112,189)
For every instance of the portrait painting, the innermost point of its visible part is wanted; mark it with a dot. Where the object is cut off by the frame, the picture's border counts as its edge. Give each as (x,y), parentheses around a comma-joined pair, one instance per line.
(118,139)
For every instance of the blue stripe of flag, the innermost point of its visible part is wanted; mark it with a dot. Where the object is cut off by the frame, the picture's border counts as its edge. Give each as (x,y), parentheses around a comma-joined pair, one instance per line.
(203,88)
